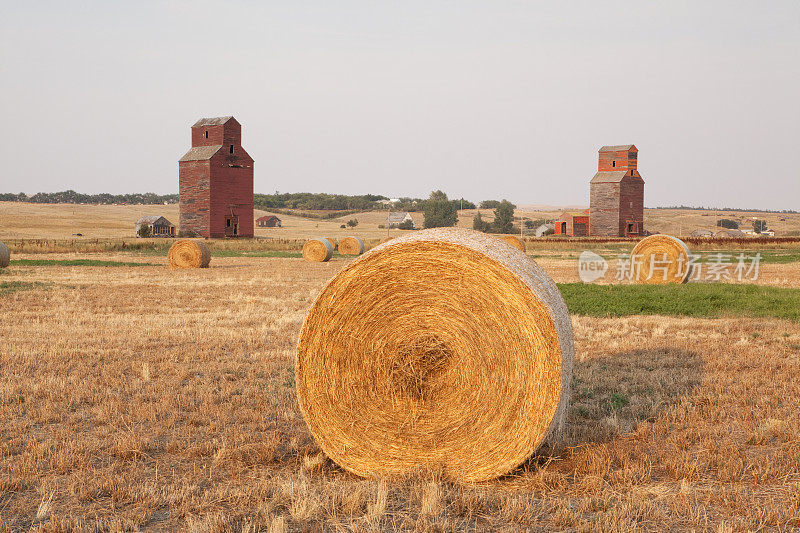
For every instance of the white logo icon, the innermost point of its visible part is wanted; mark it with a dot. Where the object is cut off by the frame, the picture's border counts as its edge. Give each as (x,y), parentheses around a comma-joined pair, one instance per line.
(591,266)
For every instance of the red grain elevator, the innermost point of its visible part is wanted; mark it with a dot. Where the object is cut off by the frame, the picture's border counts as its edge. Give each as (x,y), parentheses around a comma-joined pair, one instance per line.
(616,194)
(216,181)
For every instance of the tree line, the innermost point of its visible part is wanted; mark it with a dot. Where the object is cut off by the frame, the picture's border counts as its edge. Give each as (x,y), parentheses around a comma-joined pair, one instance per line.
(72,197)
(732,209)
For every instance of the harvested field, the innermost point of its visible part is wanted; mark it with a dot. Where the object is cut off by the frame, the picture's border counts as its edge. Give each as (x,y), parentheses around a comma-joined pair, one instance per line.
(146,397)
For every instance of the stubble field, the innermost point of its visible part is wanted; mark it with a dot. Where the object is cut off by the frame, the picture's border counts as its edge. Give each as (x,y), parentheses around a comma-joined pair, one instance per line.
(140,397)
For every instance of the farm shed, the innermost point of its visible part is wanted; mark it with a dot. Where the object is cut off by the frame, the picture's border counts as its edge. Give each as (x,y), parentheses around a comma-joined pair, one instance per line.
(159,226)
(730,234)
(544,228)
(573,224)
(702,233)
(216,181)
(268,221)
(395,219)
(616,193)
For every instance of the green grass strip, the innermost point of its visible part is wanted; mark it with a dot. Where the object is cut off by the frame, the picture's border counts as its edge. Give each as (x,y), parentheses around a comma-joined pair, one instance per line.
(702,300)
(76,262)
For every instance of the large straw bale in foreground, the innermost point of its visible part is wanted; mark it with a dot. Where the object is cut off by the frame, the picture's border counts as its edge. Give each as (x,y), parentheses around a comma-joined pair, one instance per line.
(660,259)
(443,350)
(5,255)
(514,241)
(318,250)
(351,246)
(189,254)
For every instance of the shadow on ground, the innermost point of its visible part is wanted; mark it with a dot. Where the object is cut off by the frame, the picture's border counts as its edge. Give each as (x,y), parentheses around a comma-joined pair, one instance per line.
(613,393)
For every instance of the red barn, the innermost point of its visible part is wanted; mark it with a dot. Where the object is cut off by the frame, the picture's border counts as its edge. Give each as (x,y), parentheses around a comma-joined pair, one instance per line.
(616,194)
(573,224)
(216,181)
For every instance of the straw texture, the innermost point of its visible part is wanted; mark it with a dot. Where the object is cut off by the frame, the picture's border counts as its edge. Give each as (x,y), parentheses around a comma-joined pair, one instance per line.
(660,259)
(442,350)
(516,242)
(5,255)
(318,250)
(189,254)
(351,246)
(332,241)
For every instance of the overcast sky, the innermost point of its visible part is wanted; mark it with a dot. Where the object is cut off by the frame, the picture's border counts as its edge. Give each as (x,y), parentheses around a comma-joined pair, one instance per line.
(481,99)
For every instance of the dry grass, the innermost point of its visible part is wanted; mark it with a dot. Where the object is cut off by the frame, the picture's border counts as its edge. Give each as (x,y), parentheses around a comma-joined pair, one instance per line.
(164,399)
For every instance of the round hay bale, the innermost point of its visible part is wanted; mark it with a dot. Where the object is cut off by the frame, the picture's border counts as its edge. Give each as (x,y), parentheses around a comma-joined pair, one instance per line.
(660,259)
(5,255)
(514,241)
(443,350)
(189,254)
(332,241)
(318,250)
(351,246)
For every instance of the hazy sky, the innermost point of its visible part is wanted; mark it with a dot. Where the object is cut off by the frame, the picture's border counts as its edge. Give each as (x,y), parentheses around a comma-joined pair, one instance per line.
(481,99)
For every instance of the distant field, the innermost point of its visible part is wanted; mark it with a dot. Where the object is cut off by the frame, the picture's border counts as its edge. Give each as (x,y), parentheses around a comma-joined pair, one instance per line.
(63,221)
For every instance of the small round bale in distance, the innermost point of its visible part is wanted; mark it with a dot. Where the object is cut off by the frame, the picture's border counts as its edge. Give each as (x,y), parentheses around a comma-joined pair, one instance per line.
(318,250)
(5,255)
(188,253)
(443,350)
(660,259)
(351,246)
(514,241)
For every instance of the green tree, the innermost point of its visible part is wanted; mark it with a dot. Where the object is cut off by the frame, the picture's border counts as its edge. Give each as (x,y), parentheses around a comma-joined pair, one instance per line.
(759,225)
(478,224)
(352,222)
(489,204)
(144,231)
(439,212)
(728,223)
(504,218)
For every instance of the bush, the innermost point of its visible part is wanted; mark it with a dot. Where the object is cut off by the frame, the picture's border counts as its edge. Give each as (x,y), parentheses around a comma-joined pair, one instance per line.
(144,231)
(439,211)
(352,223)
(343,226)
(504,218)
(406,224)
(759,226)
(727,223)
(478,224)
